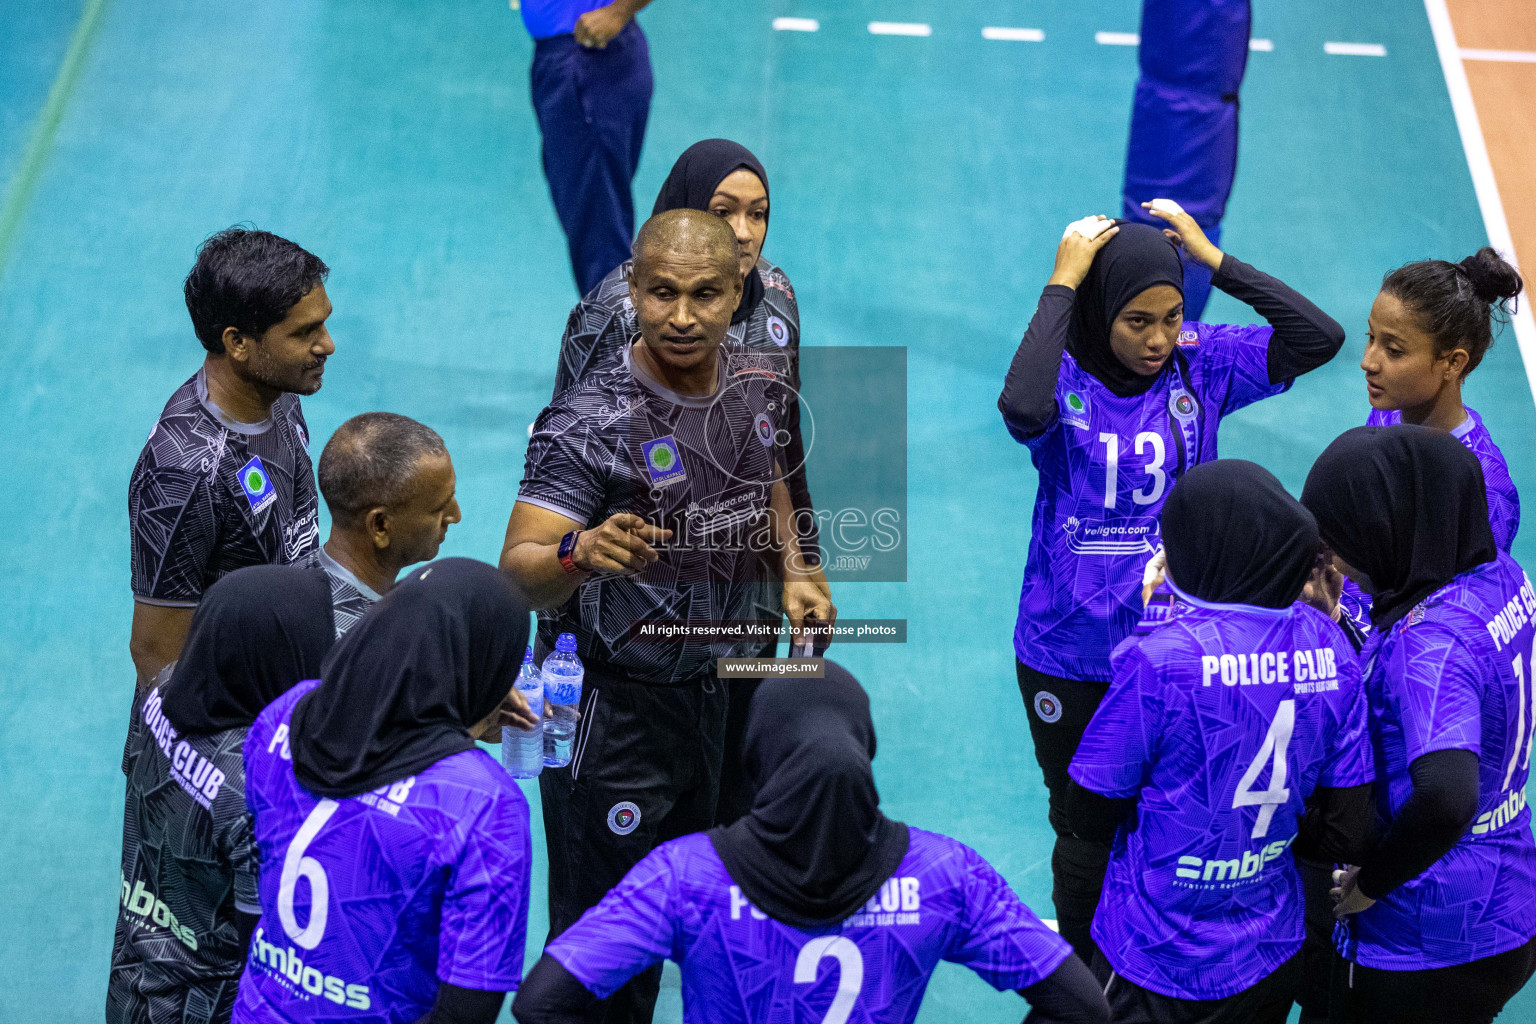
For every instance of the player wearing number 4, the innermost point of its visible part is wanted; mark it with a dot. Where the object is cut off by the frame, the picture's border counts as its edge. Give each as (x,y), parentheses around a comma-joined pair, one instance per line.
(1223,729)
(1116,397)
(394,852)
(815,908)
(1440,915)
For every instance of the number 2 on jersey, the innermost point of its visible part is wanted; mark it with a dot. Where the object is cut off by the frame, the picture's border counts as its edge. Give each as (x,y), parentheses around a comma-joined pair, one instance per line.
(1157,478)
(1276,742)
(850,972)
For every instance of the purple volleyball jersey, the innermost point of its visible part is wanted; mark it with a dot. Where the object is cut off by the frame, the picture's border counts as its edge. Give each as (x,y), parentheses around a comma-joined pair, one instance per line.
(367,902)
(1221,722)
(1455,674)
(1503,499)
(1106,464)
(740,966)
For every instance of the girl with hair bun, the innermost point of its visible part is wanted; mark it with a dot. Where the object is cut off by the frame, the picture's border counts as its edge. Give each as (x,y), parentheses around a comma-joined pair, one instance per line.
(1429,327)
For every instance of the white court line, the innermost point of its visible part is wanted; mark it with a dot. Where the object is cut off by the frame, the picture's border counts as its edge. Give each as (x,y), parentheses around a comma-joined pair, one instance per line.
(1513,56)
(1261,45)
(900,28)
(796,25)
(1117,38)
(1483,181)
(1355,49)
(1013,35)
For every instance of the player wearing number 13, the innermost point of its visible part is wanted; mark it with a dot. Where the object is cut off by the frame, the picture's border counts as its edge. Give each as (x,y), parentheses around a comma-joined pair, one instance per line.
(1440,916)
(1222,726)
(394,852)
(1116,397)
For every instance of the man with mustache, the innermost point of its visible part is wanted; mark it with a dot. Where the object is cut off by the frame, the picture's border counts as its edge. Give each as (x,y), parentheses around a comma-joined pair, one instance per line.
(225,480)
(651,491)
(389,485)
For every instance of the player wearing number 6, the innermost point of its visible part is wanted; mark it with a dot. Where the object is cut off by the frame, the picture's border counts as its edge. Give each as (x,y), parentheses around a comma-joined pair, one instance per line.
(1116,397)
(1223,726)
(394,852)
(1440,916)
(815,908)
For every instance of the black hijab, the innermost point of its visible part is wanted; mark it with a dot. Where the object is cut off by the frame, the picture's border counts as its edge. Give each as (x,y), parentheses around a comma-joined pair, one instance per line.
(691,183)
(402,689)
(1137,258)
(1405,505)
(815,846)
(256,632)
(1233,535)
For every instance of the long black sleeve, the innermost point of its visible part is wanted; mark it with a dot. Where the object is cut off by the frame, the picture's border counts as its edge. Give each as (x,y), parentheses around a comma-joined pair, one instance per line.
(1028,401)
(1305,337)
(455,1005)
(1338,826)
(552,995)
(1069,995)
(1431,821)
(1094,816)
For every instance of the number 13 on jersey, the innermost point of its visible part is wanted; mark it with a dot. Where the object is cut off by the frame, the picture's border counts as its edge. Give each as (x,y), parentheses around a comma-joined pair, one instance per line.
(1151,490)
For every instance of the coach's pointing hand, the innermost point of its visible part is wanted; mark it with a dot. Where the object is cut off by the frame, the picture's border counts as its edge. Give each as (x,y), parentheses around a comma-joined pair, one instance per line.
(621,545)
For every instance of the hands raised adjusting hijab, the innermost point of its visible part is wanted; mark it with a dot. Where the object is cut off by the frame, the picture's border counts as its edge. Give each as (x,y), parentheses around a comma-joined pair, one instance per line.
(402,689)
(1137,258)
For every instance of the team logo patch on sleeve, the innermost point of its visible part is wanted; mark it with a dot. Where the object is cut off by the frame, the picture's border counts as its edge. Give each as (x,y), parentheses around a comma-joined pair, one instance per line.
(778,330)
(257,485)
(623,818)
(1074,410)
(764,427)
(663,462)
(1047,706)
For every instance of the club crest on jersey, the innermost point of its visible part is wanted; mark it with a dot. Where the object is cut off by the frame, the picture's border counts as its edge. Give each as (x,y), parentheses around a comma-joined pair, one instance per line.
(1182,405)
(1074,410)
(257,485)
(663,462)
(778,330)
(1047,706)
(764,428)
(623,818)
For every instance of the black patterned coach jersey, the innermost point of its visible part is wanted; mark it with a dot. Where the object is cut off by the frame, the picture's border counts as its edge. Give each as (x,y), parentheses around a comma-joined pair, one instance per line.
(350,596)
(210,495)
(603,324)
(702,467)
(189,861)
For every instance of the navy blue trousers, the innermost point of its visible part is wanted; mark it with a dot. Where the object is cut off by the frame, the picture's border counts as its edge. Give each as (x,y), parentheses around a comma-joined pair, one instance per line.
(1184,120)
(592,106)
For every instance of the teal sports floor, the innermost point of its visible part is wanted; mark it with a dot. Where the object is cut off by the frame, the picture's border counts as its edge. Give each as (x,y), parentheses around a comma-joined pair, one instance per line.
(920,185)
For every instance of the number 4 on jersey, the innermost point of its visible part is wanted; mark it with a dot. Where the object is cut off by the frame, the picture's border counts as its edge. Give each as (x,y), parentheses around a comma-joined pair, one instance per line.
(1276,742)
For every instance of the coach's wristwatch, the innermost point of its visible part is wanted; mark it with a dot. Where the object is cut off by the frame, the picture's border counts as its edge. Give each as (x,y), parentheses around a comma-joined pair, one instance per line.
(567,550)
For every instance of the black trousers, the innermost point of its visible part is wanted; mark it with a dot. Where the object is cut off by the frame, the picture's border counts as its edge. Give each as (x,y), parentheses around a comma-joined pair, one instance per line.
(1268,1002)
(1319,955)
(735,788)
(1059,711)
(1471,993)
(645,768)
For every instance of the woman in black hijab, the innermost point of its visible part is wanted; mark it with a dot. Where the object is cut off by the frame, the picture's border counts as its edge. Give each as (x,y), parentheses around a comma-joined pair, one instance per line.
(1405,510)
(373,775)
(1116,397)
(188,898)
(817,863)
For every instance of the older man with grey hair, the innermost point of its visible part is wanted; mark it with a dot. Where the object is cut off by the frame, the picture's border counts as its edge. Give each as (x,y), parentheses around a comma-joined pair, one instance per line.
(389,485)
(651,491)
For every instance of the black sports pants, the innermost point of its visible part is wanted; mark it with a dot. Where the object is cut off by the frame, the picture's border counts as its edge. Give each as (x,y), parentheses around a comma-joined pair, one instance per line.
(1268,1002)
(1059,711)
(1471,993)
(645,768)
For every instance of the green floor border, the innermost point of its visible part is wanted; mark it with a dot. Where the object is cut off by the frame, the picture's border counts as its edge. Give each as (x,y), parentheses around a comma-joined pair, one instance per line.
(18,193)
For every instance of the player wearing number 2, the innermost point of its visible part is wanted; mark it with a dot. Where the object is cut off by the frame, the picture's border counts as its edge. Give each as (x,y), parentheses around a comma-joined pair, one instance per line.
(394,852)
(1222,729)
(1441,914)
(815,908)
(1116,397)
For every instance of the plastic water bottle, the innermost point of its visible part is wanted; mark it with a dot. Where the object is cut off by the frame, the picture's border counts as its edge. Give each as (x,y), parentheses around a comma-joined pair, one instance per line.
(522,750)
(562,696)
